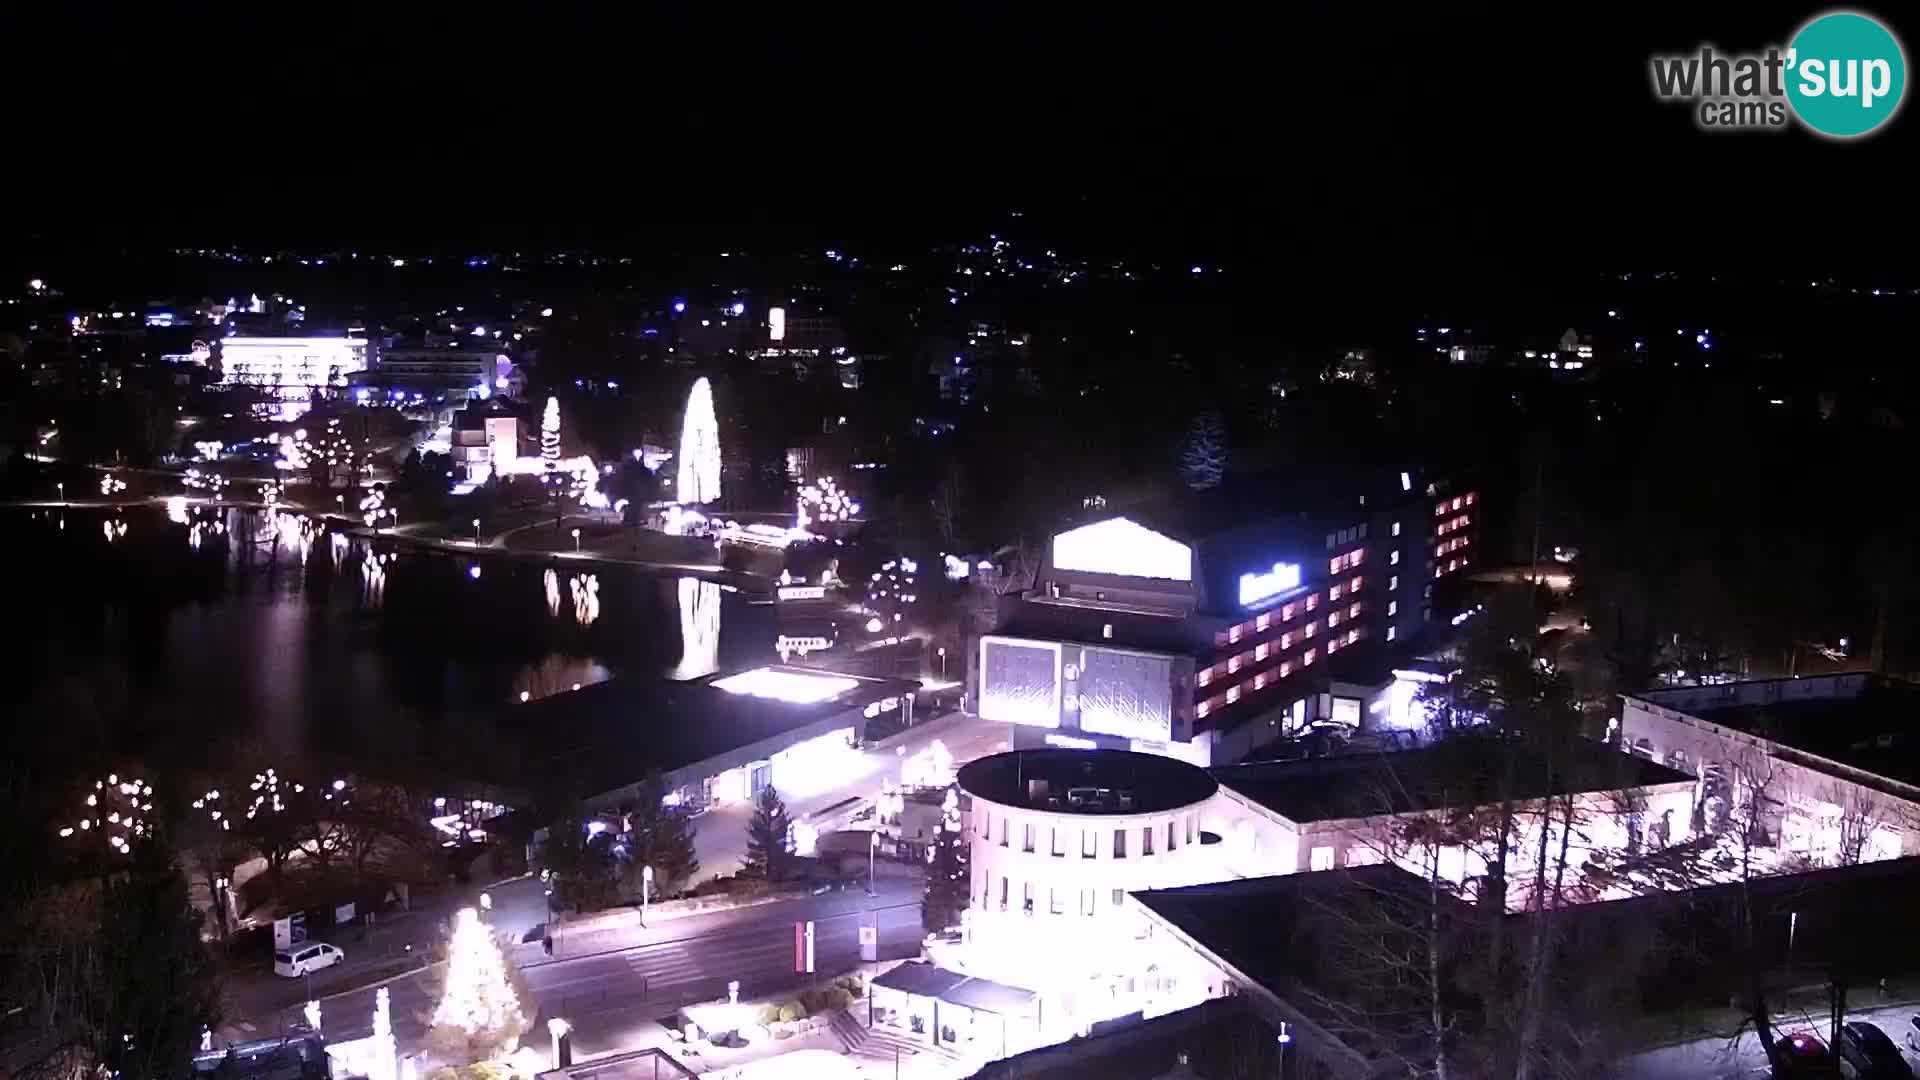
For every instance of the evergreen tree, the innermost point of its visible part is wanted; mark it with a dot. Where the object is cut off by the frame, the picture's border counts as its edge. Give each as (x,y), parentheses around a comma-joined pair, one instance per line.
(481,1013)
(661,836)
(581,867)
(153,989)
(948,878)
(767,853)
(550,432)
(1203,461)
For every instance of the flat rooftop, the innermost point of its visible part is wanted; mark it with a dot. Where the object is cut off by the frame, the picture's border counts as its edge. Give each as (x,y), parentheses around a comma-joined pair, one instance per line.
(615,732)
(1855,719)
(1064,781)
(1460,771)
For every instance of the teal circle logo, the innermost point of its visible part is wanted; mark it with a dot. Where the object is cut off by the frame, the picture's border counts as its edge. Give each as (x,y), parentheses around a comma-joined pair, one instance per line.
(1846,74)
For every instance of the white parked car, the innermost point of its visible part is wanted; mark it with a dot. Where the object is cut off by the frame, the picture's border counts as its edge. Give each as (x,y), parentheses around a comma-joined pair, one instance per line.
(303,959)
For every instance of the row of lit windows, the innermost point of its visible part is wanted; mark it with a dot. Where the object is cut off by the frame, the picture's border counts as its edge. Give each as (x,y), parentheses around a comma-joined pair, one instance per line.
(1056,898)
(1059,838)
(1259,623)
(1340,564)
(1448,567)
(1448,547)
(1261,652)
(1338,591)
(1445,506)
(1452,524)
(1270,678)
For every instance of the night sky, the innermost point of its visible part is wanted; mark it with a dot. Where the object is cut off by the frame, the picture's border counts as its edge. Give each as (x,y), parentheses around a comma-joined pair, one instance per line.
(1375,137)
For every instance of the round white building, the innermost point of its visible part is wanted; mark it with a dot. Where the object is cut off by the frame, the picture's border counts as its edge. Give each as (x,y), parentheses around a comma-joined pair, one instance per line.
(1058,837)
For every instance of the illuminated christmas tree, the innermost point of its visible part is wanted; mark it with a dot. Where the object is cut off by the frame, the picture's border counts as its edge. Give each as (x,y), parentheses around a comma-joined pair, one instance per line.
(699,448)
(948,881)
(550,432)
(480,1016)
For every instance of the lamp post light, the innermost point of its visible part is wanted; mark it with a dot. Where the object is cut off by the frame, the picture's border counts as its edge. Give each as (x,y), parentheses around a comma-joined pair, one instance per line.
(873,848)
(1280,1041)
(557,1028)
(646,887)
(486,901)
(943,663)
(62,485)
(340,503)
(576,541)
(476,532)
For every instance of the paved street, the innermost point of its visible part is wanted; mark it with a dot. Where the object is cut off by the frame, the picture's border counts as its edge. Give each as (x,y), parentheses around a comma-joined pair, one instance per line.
(613,997)
(1719,1059)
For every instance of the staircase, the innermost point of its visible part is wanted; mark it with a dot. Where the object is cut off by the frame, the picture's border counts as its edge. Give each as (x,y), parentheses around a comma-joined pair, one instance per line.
(883,1044)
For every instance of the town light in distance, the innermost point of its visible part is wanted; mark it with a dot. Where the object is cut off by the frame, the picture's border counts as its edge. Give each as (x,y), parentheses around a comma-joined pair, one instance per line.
(793,687)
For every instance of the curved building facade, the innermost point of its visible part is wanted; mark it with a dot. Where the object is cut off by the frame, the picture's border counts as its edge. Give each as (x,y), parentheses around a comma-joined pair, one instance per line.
(1058,837)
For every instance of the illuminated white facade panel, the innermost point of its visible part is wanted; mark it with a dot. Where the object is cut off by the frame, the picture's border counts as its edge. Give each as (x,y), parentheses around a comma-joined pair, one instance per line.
(1020,681)
(1123,548)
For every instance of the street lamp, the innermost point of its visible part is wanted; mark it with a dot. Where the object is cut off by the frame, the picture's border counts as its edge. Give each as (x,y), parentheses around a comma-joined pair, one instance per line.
(576,541)
(340,503)
(486,901)
(557,1028)
(943,663)
(873,848)
(646,886)
(62,485)
(1280,1042)
(476,532)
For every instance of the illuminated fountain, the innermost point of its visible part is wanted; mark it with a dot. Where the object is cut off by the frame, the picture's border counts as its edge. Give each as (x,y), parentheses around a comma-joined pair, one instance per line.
(699,458)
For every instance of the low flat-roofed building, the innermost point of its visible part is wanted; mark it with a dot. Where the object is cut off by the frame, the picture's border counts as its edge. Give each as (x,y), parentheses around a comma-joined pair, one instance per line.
(1834,760)
(1284,817)
(718,740)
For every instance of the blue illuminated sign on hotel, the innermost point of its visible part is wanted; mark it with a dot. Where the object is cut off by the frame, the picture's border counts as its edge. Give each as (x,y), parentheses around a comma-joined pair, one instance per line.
(1255,588)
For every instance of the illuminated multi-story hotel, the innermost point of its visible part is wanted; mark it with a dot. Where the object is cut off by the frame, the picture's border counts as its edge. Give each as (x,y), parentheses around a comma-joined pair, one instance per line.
(1207,643)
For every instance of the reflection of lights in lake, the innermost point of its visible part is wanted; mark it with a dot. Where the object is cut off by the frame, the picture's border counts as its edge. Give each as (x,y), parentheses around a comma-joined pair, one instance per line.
(177,509)
(111,484)
(339,544)
(114,530)
(373,578)
(551,579)
(586,598)
(699,629)
(474,571)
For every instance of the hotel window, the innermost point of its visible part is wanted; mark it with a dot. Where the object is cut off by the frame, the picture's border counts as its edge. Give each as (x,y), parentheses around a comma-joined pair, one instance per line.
(1286,612)
(1353,636)
(1396,528)
(1458,502)
(1470,498)
(1260,622)
(1353,612)
(1334,565)
(1201,710)
(1359,556)
(1393,582)
(1088,843)
(1233,633)
(1393,557)
(1333,619)
(1312,629)
(1203,676)
(1393,608)
(1286,669)
(1233,694)
(1119,897)
(1333,646)
(1004,885)
(1053,903)
(1392,632)
(1336,592)
(1005,824)
(1189,828)
(1059,844)
(1313,601)
(1259,680)
(986,825)
(1233,665)
(1086,901)
(1321,858)
(1312,655)
(1027,838)
(1286,640)
(1026,901)
(1260,651)
(1146,840)
(1354,585)
(1173,835)
(1119,843)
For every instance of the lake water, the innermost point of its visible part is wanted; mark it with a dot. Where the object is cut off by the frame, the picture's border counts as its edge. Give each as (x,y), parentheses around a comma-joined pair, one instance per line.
(197,637)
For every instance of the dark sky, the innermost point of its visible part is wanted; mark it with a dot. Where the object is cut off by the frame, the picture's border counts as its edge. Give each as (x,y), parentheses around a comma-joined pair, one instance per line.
(1365,134)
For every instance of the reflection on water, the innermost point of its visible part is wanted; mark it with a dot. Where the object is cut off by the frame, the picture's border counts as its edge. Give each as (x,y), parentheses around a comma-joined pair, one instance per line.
(188,629)
(699,629)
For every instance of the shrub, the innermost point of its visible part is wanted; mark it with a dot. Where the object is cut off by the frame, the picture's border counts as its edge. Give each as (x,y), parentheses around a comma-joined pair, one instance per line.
(792,1011)
(768,1014)
(838,998)
(813,1001)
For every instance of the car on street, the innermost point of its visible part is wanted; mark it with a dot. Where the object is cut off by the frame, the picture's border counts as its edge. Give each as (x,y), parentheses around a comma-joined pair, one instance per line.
(1867,1053)
(1802,1054)
(1913,1033)
(306,959)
